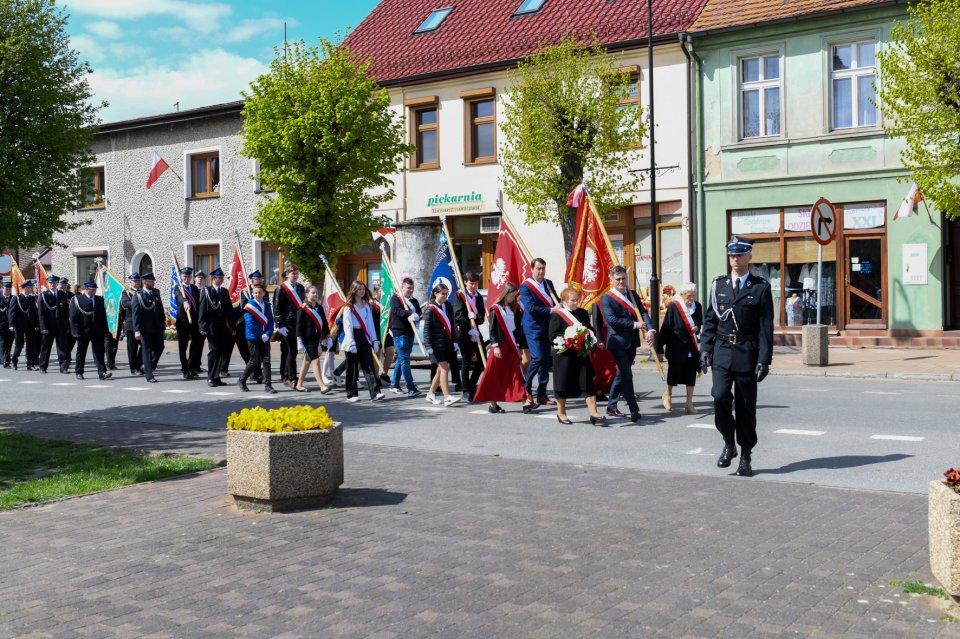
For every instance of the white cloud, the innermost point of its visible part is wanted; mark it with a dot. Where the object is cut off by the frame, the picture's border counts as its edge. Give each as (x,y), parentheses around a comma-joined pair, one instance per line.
(104,29)
(248,29)
(88,48)
(203,78)
(204,18)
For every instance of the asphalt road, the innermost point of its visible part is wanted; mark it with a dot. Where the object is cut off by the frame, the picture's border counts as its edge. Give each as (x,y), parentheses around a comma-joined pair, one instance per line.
(856,433)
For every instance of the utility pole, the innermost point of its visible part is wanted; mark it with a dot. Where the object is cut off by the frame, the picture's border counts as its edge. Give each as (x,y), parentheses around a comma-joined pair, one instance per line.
(654,218)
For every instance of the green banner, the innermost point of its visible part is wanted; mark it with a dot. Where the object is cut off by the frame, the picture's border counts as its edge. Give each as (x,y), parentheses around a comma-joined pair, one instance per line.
(111,289)
(386,292)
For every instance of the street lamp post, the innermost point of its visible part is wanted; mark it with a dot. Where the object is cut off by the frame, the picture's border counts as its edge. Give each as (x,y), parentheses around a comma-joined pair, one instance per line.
(654,217)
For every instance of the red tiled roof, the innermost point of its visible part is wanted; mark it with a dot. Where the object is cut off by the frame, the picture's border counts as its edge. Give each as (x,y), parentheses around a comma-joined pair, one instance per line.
(481,33)
(724,14)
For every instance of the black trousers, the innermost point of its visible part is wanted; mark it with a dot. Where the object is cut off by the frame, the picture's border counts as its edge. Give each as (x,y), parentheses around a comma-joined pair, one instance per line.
(110,346)
(69,342)
(189,345)
(288,356)
(258,362)
(240,340)
(48,340)
(215,347)
(29,338)
(361,360)
(134,352)
(470,359)
(152,345)
(98,352)
(735,406)
(6,340)
(623,382)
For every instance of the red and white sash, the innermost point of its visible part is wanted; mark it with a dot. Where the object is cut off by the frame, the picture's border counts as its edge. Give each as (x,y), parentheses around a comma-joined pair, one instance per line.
(291,291)
(625,302)
(257,312)
(568,317)
(534,286)
(315,316)
(687,324)
(439,312)
(470,301)
(506,329)
(403,302)
(366,331)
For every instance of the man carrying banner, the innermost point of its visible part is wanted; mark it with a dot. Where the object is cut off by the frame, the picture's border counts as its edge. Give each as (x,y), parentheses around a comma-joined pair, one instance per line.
(256,279)
(148,324)
(469,313)
(65,295)
(88,324)
(134,350)
(189,341)
(404,314)
(214,325)
(287,300)
(257,329)
(49,312)
(237,287)
(25,326)
(537,296)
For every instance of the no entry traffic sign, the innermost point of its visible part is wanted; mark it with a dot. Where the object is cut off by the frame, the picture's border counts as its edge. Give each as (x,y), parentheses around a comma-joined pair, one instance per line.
(823,221)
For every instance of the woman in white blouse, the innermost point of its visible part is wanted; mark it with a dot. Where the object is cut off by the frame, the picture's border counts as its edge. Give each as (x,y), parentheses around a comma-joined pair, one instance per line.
(360,343)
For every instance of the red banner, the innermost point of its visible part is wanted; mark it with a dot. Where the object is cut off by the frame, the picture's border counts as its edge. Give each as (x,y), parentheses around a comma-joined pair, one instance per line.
(509,264)
(332,299)
(238,279)
(592,256)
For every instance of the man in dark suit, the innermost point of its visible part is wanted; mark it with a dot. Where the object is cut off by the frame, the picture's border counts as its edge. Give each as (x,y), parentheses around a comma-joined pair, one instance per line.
(469,314)
(64,295)
(25,326)
(149,322)
(88,324)
(625,316)
(134,351)
(6,337)
(404,314)
(539,298)
(287,300)
(214,306)
(51,333)
(189,340)
(738,343)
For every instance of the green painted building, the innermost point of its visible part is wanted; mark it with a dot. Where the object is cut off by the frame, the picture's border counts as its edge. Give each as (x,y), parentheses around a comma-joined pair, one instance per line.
(786,116)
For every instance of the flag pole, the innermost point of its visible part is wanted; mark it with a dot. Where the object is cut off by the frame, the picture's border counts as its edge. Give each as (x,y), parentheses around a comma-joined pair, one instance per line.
(392,274)
(246,277)
(326,265)
(456,271)
(176,265)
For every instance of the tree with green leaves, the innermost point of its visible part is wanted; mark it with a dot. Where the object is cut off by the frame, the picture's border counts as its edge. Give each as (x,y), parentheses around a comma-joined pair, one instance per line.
(47,123)
(919,90)
(327,143)
(564,124)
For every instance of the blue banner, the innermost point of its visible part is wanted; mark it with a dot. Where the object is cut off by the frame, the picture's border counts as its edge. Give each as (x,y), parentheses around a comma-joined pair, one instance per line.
(174,283)
(443,267)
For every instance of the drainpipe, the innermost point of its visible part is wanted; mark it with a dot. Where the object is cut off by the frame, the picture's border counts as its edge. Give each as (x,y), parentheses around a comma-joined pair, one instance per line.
(403,166)
(702,277)
(691,205)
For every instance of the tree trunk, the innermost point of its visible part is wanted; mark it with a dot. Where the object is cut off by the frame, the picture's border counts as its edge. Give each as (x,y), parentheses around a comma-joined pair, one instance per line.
(568,224)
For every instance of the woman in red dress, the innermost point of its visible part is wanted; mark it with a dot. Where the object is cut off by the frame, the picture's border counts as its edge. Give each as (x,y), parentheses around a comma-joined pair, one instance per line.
(502,380)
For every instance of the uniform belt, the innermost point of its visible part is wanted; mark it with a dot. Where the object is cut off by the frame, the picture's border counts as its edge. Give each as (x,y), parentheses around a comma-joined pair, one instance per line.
(733,338)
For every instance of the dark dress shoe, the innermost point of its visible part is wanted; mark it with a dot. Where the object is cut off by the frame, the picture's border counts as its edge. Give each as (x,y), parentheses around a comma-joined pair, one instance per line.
(496,410)
(563,420)
(152,380)
(258,379)
(744,470)
(139,371)
(635,417)
(105,376)
(546,401)
(614,412)
(14,366)
(729,452)
(269,389)
(226,374)
(599,420)
(79,375)
(43,371)
(243,386)
(112,367)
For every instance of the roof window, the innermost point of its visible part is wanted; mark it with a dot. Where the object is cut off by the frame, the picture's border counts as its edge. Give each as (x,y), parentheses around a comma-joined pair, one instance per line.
(434,20)
(529,6)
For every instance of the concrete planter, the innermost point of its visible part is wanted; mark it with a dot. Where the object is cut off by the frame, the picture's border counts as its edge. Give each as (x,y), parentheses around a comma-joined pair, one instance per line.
(278,472)
(944,521)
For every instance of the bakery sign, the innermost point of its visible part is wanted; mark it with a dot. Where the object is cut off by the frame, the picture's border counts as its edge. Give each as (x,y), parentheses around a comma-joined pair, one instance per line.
(445,203)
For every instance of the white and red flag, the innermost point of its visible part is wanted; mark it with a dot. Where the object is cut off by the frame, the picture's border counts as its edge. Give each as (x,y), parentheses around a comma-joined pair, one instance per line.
(238,278)
(333,299)
(159,166)
(592,256)
(510,263)
(42,283)
(910,202)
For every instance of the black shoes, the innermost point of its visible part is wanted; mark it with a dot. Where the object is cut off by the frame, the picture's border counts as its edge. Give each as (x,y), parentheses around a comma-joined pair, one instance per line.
(729,452)
(614,412)
(744,470)
(269,389)
(563,420)
(635,417)
(242,383)
(152,380)
(599,420)
(79,375)
(105,376)
(496,410)
(216,382)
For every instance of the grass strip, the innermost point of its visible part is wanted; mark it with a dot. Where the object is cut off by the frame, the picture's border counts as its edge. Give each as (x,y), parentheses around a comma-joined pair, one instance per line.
(35,470)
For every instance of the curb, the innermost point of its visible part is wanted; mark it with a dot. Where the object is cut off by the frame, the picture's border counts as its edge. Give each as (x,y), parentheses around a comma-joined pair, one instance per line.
(819,372)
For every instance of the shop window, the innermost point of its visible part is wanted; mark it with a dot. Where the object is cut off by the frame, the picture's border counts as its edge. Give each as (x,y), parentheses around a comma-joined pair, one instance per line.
(87,266)
(94,187)
(801,290)
(852,75)
(760,96)
(205,175)
(206,258)
(482,131)
(426,138)
(631,103)
(271,261)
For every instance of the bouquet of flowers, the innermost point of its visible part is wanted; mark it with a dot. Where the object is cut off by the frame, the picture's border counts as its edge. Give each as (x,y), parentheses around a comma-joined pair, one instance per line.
(580,340)
(953,479)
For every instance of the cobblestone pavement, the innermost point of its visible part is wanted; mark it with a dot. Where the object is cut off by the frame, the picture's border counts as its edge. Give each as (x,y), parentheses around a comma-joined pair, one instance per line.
(431,544)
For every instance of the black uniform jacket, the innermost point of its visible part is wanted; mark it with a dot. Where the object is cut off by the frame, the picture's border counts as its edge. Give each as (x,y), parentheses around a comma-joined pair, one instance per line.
(461,313)
(49,312)
(194,311)
(88,317)
(307,328)
(214,311)
(620,321)
(399,322)
(746,314)
(147,313)
(284,309)
(434,333)
(22,312)
(4,308)
(126,313)
(673,334)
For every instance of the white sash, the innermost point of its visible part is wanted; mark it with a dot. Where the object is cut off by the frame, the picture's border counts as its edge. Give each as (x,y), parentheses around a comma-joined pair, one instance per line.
(291,290)
(534,285)
(471,301)
(360,320)
(443,317)
(315,317)
(503,325)
(254,309)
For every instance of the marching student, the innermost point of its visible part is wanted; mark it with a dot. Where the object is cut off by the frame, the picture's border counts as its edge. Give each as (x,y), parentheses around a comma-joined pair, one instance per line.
(287,300)
(237,338)
(389,348)
(258,329)
(48,314)
(25,326)
(313,333)
(255,279)
(621,307)
(360,343)
(64,295)
(149,321)
(469,313)
(404,308)
(572,371)
(440,335)
(680,335)
(212,319)
(503,381)
(188,330)
(536,297)
(134,349)
(6,338)
(88,324)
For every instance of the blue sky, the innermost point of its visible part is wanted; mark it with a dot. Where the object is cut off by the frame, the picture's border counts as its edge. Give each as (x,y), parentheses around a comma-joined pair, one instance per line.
(149,54)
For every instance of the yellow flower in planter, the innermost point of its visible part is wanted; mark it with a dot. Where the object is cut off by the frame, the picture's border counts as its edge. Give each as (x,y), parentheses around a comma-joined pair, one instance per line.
(280,420)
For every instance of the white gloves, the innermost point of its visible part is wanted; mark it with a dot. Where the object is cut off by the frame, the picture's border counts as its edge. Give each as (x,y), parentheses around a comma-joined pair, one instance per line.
(328,342)
(474,333)
(456,347)
(299,345)
(638,325)
(414,317)
(353,348)
(429,351)
(376,347)
(284,331)
(497,352)
(472,316)
(265,338)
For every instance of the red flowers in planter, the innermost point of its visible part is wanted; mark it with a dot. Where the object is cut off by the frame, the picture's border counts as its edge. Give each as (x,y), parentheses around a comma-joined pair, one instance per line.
(953,479)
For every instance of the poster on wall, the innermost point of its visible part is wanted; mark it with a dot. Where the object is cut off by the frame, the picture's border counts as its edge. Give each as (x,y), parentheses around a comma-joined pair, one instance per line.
(915,264)
(757,221)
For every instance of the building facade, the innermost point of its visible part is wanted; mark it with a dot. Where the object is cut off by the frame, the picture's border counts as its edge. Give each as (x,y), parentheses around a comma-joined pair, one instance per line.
(788,114)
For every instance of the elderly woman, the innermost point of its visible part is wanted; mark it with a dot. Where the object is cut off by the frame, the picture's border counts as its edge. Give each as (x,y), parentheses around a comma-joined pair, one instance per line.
(680,335)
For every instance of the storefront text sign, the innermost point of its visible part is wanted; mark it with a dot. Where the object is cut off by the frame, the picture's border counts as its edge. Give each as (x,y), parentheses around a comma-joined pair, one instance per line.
(863,216)
(460,203)
(759,221)
(915,264)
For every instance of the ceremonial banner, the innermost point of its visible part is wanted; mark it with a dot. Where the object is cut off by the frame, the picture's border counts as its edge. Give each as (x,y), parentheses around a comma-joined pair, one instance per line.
(510,263)
(111,289)
(16,278)
(42,283)
(443,267)
(592,256)
(238,279)
(387,290)
(174,285)
(333,299)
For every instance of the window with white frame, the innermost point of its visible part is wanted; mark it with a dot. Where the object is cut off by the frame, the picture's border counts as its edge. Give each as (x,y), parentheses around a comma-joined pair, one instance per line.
(760,96)
(852,75)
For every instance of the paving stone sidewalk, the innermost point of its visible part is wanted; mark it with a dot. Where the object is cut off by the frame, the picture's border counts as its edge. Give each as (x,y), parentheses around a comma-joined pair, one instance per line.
(427,544)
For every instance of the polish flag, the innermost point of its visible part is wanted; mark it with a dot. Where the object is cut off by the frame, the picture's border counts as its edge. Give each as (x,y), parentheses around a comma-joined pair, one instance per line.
(159,166)
(238,278)
(332,298)
(510,263)
(910,202)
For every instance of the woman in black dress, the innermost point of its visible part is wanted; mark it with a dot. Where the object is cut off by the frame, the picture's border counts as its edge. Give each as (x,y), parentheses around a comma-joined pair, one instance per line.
(572,372)
(680,335)
(314,333)
(440,336)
